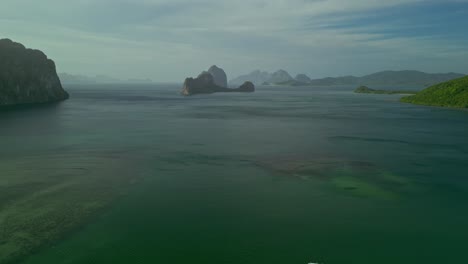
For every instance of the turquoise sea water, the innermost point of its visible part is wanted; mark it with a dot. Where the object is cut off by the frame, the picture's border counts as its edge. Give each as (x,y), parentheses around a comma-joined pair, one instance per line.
(283,175)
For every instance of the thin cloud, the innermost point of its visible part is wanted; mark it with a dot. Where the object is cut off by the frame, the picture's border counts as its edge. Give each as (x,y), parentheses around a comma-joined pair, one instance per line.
(169,40)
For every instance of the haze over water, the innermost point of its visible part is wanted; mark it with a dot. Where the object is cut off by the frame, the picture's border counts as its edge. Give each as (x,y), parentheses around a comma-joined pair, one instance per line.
(283,175)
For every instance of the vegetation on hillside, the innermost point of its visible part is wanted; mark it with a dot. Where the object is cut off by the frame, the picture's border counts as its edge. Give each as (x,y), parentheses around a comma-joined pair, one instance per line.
(453,93)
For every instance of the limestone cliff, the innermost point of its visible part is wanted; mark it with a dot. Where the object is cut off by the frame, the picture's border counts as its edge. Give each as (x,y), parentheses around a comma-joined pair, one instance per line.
(280,76)
(204,84)
(219,76)
(302,78)
(27,76)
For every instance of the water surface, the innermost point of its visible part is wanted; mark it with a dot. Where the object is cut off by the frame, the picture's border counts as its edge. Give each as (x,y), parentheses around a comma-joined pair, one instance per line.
(283,175)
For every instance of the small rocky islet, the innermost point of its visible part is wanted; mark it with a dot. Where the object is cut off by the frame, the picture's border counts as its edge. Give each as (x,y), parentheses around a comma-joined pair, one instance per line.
(27,76)
(367,90)
(213,81)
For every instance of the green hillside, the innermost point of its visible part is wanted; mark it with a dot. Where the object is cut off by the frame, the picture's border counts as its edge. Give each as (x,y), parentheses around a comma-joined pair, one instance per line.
(448,94)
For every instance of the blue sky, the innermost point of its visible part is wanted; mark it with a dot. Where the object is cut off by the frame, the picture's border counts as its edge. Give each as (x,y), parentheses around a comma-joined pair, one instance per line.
(167,40)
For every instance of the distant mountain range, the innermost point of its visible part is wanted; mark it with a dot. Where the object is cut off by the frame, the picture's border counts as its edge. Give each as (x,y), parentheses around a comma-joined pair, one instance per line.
(257,77)
(262,77)
(384,78)
(67,78)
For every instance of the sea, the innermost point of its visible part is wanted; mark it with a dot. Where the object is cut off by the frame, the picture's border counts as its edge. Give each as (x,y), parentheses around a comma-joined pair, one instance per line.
(286,175)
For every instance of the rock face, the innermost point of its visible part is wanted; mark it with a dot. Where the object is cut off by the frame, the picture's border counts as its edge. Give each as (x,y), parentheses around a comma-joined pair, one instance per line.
(280,76)
(303,78)
(246,87)
(257,77)
(27,76)
(205,84)
(219,76)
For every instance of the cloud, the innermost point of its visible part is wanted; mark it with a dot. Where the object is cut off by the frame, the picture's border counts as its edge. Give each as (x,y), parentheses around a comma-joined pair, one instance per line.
(168,40)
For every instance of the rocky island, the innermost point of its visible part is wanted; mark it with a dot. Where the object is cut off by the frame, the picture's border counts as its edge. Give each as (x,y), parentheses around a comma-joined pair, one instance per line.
(367,90)
(27,76)
(219,76)
(212,81)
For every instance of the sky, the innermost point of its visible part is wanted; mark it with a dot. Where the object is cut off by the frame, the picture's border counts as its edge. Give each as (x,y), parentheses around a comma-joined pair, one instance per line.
(168,40)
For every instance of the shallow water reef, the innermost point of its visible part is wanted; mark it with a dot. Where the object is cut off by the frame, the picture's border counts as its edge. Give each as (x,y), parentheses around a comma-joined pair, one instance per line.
(44,197)
(350,177)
